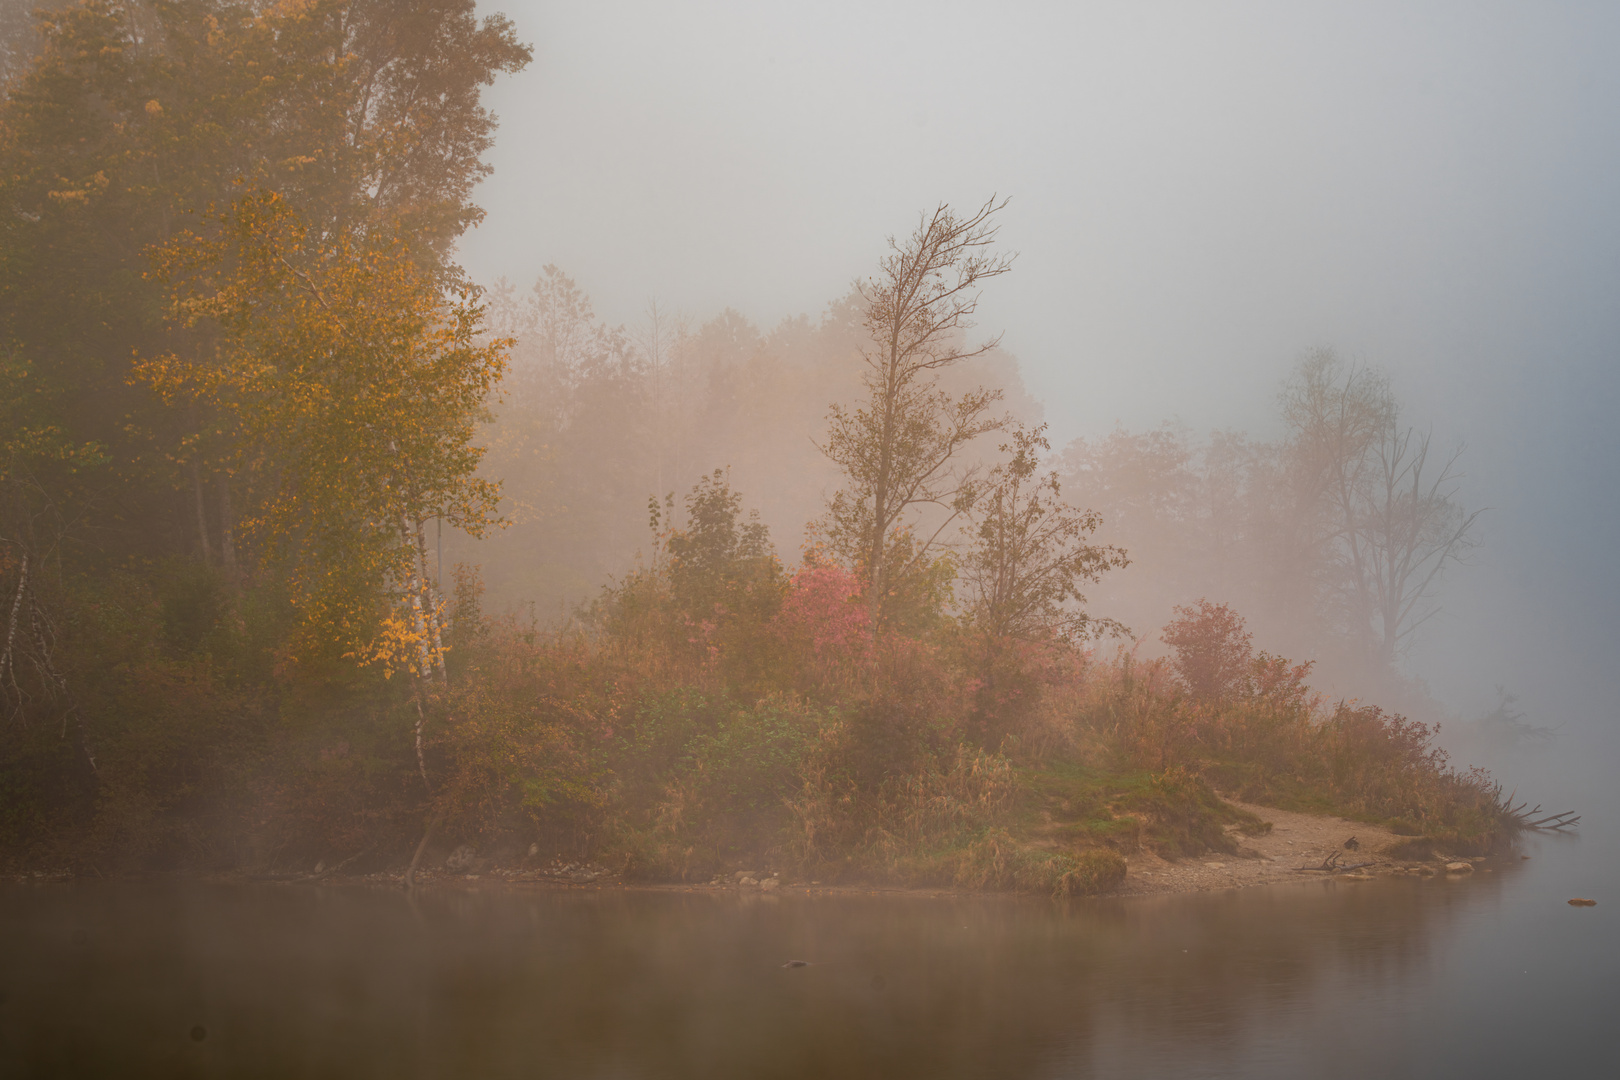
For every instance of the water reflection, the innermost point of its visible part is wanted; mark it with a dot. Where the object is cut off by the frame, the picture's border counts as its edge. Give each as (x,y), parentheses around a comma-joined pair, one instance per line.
(190,979)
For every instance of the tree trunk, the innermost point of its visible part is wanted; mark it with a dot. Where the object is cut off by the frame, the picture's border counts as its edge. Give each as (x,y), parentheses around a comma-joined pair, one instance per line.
(431,595)
(202,514)
(421,720)
(7,663)
(413,587)
(227,546)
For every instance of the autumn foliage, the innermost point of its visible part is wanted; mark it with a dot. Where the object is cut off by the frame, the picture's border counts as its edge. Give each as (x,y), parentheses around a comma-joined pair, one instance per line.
(241,378)
(351,390)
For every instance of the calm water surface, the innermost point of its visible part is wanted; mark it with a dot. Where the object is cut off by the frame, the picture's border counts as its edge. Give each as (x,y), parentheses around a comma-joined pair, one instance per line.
(1490,976)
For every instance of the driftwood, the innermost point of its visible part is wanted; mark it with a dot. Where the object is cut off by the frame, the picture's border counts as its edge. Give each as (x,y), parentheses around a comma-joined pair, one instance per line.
(327,871)
(1332,865)
(1527,819)
(339,866)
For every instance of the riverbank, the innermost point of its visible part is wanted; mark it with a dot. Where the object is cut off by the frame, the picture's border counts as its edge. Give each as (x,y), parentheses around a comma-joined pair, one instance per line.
(895,765)
(1296,847)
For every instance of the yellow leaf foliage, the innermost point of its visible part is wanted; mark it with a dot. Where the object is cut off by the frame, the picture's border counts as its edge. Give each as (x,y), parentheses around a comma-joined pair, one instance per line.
(356,385)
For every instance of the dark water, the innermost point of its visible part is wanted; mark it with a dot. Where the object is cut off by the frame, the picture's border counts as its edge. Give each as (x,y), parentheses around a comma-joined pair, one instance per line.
(1491,976)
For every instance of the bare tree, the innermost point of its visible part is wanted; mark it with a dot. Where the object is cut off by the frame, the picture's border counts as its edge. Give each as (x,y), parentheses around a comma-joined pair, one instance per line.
(899,449)
(1336,413)
(1408,528)
(1373,523)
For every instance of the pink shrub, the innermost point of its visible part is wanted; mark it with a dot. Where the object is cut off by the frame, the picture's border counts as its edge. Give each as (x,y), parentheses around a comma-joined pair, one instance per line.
(823,613)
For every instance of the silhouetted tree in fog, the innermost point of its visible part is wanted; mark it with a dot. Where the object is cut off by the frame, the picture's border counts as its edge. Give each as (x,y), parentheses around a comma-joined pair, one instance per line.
(1380,521)
(1336,413)
(1332,540)
(1411,528)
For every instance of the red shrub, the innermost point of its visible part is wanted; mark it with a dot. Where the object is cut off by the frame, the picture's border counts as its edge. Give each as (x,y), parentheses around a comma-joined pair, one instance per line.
(1213,650)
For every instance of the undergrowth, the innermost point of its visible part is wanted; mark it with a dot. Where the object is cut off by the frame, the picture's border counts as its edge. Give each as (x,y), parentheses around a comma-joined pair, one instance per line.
(693,724)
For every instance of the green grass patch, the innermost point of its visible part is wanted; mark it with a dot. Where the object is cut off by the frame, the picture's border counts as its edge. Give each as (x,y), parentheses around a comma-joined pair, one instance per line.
(1174,813)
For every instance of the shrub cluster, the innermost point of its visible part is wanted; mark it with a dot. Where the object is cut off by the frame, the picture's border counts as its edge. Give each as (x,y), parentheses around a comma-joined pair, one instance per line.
(708,712)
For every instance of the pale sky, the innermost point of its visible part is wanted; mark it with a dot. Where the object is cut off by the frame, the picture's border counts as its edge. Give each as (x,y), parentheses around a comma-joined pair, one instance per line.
(1199,193)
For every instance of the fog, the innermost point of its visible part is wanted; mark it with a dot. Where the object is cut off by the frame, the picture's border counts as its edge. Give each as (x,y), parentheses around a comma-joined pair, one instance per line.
(1198,196)
(1310,309)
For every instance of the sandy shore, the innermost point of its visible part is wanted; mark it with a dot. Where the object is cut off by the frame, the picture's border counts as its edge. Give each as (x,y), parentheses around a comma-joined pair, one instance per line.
(1296,844)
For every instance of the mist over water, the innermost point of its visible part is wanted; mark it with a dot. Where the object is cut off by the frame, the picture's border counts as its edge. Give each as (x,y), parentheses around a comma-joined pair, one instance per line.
(1199,196)
(683,205)
(1491,975)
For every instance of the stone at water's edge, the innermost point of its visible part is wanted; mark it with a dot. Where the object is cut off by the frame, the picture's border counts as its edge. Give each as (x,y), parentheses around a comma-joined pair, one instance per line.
(1459,868)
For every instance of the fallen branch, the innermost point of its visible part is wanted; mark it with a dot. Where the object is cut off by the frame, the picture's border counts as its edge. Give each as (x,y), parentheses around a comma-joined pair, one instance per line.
(1527,820)
(1329,864)
(1568,819)
(334,869)
(1332,865)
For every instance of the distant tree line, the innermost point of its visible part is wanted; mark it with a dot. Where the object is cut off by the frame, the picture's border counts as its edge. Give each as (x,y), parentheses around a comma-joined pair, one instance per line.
(1334,538)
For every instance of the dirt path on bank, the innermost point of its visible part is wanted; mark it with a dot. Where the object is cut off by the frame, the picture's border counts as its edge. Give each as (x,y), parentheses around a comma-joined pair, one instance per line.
(1296,841)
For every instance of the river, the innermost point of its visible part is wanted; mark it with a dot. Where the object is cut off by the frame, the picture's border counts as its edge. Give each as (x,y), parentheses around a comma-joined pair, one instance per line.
(1493,975)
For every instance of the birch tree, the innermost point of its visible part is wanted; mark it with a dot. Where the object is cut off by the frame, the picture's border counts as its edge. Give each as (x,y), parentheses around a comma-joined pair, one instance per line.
(356,387)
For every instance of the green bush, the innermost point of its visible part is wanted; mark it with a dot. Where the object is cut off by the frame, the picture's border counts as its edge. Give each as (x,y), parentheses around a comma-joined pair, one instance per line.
(1097,870)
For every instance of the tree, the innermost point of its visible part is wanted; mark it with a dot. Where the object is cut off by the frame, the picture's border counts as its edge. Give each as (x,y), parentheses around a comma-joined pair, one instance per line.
(1213,650)
(1409,528)
(33,530)
(415,72)
(1335,414)
(355,390)
(706,601)
(900,448)
(133,119)
(1374,518)
(718,559)
(1030,552)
